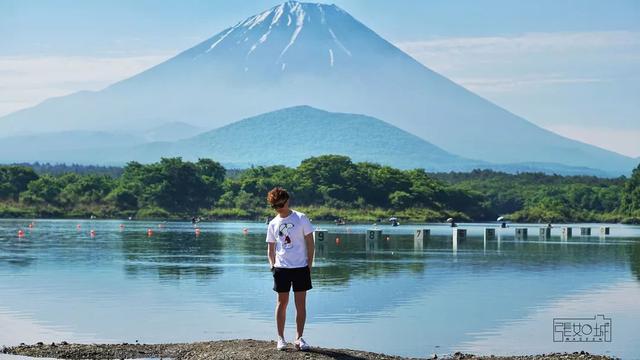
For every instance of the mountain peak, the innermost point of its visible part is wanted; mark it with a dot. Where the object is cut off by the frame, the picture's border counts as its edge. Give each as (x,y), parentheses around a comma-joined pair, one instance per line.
(282,38)
(291,12)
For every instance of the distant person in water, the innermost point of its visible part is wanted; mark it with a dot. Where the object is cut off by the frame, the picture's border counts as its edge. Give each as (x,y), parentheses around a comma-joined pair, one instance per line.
(290,251)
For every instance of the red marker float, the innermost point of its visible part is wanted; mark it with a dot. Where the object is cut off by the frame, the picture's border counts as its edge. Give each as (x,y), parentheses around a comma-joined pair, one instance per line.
(20,233)
(337,241)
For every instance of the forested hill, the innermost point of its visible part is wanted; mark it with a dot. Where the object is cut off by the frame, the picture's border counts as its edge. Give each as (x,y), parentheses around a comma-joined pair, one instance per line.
(326,187)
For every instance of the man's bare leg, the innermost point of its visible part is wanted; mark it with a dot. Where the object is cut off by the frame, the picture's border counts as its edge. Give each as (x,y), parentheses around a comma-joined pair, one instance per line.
(281,312)
(300,298)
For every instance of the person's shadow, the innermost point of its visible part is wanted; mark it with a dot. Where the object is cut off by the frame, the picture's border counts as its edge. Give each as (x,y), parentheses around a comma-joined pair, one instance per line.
(338,354)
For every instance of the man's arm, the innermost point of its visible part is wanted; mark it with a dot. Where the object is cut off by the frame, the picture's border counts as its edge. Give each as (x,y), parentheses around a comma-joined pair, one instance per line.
(311,249)
(271,253)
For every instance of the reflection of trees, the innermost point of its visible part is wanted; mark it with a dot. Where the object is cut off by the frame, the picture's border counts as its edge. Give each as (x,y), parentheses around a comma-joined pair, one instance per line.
(355,257)
(178,255)
(18,261)
(634,259)
(339,262)
(173,255)
(16,253)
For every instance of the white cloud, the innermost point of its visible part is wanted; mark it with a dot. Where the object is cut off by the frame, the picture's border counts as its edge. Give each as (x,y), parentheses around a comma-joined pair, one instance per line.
(26,81)
(552,57)
(527,42)
(502,84)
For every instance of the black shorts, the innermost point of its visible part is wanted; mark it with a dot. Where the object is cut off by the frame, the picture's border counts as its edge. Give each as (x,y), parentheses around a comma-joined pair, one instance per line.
(284,277)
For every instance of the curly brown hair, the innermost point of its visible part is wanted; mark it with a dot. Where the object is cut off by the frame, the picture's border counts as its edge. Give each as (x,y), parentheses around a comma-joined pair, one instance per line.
(277,197)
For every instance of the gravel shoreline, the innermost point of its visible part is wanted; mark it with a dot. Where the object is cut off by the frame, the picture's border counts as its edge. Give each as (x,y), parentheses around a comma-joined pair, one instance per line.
(236,349)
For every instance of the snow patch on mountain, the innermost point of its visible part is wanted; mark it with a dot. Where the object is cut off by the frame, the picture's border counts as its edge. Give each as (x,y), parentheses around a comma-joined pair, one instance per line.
(335,38)
(300,15)
(222,37)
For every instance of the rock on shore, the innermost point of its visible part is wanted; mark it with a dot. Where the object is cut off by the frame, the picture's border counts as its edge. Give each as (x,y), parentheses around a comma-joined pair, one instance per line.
(235,349)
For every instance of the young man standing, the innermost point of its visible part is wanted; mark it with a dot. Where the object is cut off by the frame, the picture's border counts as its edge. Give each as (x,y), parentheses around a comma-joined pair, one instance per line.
(290,251)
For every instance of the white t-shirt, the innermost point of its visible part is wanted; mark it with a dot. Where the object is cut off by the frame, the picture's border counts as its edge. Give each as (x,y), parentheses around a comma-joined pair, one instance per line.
(288,234)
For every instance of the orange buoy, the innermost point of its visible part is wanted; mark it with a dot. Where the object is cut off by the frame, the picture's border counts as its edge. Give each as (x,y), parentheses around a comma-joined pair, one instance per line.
(149,232)
(20,233)
(337,241)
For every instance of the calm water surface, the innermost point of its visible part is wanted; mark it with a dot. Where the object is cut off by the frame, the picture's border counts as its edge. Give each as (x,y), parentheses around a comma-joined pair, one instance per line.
(393,295)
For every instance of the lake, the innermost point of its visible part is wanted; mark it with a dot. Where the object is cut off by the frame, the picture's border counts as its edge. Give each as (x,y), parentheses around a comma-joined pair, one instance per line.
(393,294)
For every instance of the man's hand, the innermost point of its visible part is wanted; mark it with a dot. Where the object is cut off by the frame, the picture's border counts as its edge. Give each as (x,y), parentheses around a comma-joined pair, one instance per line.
(310,249)
(271,254)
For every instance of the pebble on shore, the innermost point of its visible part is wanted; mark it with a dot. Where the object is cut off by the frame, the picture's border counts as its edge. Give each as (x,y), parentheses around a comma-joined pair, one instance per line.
(239,349)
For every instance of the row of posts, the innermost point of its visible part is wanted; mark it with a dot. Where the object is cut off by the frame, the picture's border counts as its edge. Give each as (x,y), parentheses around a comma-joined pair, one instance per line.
(489,233)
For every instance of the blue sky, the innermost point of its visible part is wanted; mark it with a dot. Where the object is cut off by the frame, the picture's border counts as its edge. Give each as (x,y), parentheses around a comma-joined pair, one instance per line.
(569,66)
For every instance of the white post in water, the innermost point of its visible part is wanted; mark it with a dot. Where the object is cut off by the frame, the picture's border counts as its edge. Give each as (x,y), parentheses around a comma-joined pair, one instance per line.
(419,237)
(374,234)
(489,234)
(422,234)
(320,235)
(321,250)
(585,231)
(521,233)
(371,239)
(545,233)
(459,234)
(566,233)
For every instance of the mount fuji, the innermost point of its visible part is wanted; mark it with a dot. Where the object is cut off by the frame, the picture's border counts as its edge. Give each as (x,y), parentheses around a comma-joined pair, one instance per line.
(316,55)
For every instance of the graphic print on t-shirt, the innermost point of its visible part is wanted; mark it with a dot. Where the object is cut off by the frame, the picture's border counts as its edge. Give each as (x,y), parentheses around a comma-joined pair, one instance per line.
(283,230)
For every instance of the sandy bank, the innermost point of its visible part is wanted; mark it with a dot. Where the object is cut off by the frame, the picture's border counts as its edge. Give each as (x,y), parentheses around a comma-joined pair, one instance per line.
(231,349)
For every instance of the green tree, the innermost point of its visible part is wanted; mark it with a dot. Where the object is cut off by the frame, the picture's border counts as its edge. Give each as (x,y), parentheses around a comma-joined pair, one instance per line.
(44,190)
(631,194)
(328,177)
(14,180)
(400,200)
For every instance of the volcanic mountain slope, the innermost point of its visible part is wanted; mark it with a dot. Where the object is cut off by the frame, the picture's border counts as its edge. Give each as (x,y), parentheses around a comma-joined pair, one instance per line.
(319,55)
(288,136)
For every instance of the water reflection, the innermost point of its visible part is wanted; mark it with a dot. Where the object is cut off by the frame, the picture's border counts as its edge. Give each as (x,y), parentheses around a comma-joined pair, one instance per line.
(634,259)
(176,285)
(173,256)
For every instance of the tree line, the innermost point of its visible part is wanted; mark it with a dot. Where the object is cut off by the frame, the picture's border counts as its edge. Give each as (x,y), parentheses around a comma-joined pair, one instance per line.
(326,187)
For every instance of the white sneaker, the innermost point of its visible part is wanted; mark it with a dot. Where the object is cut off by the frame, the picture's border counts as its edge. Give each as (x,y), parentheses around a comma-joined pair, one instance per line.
(282,344)
(301,345)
